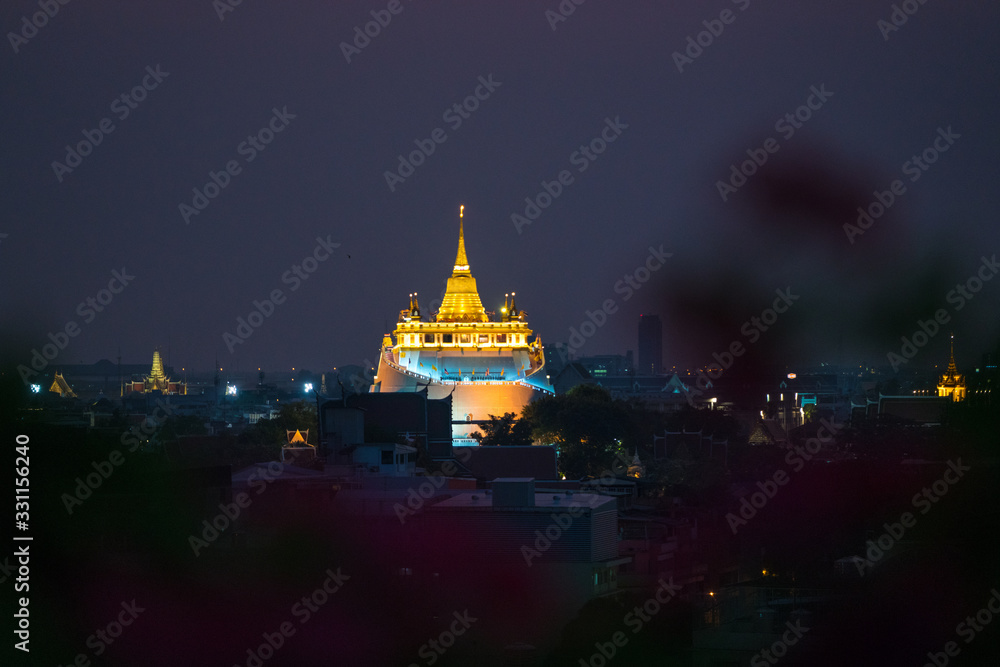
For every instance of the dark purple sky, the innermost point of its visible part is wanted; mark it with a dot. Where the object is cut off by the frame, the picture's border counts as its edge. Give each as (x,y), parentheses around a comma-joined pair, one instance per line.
(323,174)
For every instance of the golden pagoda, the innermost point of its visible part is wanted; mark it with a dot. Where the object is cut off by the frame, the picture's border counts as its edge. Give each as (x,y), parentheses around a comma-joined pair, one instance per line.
(61,387)
(951,383)
(157,380)
(487,365)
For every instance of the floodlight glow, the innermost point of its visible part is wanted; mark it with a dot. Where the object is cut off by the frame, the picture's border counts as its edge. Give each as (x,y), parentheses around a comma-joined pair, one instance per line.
(36,389)
(308,387)
(230,390)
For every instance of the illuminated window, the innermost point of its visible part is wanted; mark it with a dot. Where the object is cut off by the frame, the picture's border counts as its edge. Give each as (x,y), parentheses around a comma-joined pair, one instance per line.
(429,339)
(484,339)
(446,338)
(465,338)
(501,338)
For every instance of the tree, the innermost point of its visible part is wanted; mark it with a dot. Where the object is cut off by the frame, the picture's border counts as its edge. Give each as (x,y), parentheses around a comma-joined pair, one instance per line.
(507,430)
(587,426)
(810,412)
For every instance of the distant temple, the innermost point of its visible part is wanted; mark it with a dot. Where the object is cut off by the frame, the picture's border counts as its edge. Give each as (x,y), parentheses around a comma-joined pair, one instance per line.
(488,366)
(157,380)
(951,383)
(61,387)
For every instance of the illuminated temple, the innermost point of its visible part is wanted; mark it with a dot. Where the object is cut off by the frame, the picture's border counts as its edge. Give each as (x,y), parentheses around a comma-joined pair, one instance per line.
(489,366)
(157,380)
(952,383)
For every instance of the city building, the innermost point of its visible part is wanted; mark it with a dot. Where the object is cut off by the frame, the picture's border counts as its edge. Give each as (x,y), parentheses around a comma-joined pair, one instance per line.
(650,345)
(488,366)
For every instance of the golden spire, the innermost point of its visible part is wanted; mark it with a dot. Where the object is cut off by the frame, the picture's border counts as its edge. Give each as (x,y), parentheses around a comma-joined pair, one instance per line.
(461,261)
(461,298)
(952,368)
(157,371)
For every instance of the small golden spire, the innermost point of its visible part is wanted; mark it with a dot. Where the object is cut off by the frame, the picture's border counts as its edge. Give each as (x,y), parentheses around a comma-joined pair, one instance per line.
(461,261)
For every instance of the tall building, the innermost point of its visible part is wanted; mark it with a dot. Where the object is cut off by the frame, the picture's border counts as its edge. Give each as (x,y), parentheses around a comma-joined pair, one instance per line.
(488,366)
(650,345)
(951,383)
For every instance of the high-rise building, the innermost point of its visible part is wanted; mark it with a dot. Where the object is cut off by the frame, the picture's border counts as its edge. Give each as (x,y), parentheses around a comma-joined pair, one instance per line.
(650,345)
(489,366)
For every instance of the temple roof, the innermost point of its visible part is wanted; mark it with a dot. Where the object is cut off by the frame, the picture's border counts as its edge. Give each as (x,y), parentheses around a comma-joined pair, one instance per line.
(461,301)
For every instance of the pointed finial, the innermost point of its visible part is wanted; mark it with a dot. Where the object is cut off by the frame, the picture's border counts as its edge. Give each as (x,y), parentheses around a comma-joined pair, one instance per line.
(461,261)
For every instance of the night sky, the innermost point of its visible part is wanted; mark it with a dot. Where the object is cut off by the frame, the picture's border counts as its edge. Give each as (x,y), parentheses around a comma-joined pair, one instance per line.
(344,124)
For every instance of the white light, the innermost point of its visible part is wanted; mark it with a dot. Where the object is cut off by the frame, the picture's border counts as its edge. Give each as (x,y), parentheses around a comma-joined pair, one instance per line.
(36,389)
(230,390)
(308,387)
